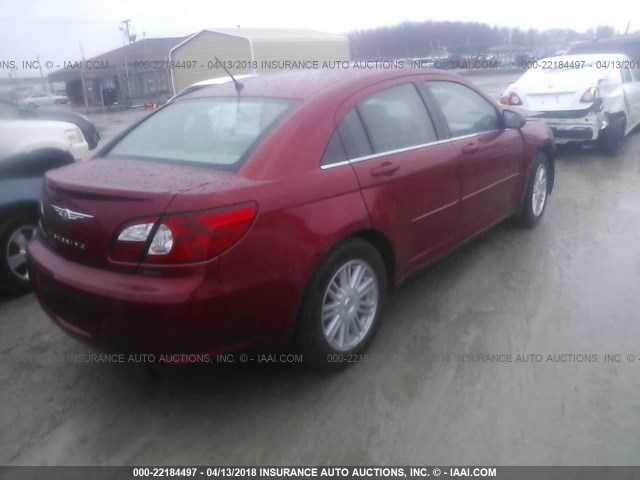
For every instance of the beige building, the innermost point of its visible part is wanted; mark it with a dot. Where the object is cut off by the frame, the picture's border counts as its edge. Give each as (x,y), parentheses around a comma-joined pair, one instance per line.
(252,50)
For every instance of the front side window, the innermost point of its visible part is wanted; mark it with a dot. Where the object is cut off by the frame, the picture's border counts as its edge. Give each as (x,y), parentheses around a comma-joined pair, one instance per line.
(396,118)
(216,131)
(465,111)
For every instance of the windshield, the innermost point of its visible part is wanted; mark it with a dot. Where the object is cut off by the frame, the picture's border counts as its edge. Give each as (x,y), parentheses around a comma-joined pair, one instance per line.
(218,131)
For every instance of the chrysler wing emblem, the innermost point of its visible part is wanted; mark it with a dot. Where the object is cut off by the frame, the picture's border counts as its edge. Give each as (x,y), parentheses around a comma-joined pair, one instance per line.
(67,214)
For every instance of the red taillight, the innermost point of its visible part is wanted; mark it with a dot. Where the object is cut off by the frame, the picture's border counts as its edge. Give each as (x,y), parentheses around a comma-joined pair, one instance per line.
(510,98)
(185,237)
(589,96)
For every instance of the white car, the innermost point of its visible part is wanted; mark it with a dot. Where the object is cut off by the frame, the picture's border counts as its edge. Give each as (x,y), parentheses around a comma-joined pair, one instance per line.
(26,137)
(583,98)
(37,99)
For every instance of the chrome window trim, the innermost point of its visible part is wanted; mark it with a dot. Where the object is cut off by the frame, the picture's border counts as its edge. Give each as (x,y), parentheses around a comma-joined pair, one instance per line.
(373,156)
(397,150)
(334,165)
(470,135)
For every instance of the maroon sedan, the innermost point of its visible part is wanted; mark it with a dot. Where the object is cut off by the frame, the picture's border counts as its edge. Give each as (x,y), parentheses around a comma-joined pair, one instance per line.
(280,212)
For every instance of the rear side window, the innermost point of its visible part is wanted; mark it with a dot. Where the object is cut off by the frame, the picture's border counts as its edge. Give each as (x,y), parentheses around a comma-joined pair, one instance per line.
(348,141)
(335,152)
(396,118)
(217,131)
(465,111)
(356,142)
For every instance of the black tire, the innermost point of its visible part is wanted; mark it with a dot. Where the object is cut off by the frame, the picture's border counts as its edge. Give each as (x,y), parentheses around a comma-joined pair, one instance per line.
(310,338)
(58,102)
(531,213)
(611,138)
(12,280)
(31,105)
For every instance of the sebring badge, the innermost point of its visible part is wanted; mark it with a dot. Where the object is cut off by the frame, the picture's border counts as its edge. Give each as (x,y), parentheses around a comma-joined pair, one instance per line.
(67,214)
(69,242)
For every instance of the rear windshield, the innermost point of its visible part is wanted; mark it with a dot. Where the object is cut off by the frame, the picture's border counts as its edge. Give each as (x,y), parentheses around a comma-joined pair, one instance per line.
(191,89)
(592,48)
(218,131)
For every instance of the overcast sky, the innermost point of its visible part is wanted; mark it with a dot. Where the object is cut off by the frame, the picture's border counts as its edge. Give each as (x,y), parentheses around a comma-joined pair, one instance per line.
(53,29)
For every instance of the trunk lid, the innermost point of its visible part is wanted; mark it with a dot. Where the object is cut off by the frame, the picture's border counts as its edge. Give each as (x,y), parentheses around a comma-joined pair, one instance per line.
(555,90)
(85,204)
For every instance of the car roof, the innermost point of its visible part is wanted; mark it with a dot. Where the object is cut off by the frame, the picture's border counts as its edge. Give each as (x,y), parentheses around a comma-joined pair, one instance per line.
(219,80)
(587,57)
(304,84)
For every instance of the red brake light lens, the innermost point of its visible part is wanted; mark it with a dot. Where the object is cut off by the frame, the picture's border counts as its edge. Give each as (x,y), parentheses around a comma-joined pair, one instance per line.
(510,98)
(184,237)
(514,99)
(589,96)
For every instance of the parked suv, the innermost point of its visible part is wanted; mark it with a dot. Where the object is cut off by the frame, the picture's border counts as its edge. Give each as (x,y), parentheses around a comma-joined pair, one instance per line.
(28,148)
(88,128)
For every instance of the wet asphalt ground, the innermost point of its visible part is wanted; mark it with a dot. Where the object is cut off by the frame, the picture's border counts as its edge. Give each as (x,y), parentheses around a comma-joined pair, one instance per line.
(522,348)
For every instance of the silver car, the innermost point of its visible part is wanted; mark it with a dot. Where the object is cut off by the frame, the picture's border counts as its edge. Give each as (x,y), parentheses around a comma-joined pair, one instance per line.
(37,99)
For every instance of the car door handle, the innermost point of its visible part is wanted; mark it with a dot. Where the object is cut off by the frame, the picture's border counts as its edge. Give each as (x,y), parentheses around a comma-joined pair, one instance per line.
(385,169)
(470,148)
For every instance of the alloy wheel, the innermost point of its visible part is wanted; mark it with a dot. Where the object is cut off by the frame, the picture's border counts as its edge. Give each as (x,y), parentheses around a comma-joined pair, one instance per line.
(539,195)
(16,252)
(350,304)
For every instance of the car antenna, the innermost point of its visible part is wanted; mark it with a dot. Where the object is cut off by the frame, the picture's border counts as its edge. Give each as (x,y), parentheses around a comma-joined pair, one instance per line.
(239,86)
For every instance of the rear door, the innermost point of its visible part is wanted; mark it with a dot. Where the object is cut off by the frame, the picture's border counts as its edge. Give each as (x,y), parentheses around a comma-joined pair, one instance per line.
(491,158)
(408,175)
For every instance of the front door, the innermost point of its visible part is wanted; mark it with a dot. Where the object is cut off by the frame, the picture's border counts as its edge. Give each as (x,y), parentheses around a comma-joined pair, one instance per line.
(491,157)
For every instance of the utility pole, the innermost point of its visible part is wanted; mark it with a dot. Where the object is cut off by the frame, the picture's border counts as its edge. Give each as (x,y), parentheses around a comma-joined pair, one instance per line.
(126,30)
(44,87)
(126,70)
(84,85)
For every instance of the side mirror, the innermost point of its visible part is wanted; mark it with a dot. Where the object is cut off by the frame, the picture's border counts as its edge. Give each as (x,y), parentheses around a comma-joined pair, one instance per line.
(513,119)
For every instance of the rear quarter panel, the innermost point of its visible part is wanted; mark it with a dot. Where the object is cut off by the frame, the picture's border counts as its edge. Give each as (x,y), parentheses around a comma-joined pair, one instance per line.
(299,219)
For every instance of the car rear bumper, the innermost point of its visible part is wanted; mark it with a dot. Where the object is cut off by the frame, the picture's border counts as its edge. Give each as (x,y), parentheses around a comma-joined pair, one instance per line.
(151,314)
(583,129)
